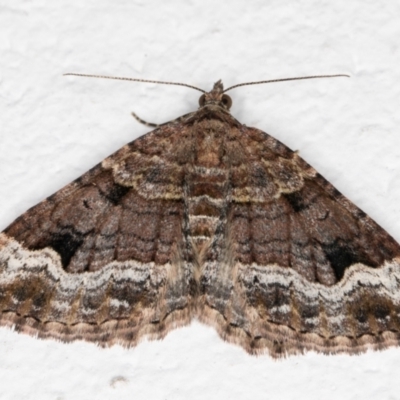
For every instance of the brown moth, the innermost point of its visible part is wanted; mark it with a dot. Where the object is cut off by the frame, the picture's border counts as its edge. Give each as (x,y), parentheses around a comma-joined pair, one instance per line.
(203,218)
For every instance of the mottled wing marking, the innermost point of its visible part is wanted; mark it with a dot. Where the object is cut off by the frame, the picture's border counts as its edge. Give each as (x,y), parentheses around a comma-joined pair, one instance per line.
(297,266)
(100,259)
(203,217)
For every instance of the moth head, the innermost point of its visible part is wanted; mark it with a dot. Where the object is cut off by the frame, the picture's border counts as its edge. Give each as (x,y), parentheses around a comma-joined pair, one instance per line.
(216,97)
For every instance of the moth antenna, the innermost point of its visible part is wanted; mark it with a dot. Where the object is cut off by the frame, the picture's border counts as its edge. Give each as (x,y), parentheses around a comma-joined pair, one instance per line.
(286,79)
(135,80)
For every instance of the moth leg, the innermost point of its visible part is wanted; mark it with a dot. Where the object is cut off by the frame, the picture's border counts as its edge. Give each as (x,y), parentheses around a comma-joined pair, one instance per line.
(153,125)
(142,121)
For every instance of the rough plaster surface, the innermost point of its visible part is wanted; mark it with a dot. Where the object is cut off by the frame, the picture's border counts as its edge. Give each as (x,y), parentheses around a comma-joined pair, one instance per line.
(54,128)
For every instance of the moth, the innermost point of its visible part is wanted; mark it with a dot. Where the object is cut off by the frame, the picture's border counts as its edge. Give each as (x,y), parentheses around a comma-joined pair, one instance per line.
(203,218)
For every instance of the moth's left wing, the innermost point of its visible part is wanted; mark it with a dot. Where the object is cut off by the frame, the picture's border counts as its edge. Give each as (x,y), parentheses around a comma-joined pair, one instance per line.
(105,258)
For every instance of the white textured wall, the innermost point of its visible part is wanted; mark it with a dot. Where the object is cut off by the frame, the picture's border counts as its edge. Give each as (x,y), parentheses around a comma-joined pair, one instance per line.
(54,128)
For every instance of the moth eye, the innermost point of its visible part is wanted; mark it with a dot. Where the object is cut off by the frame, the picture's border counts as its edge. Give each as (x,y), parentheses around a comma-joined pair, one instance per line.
(226,101)
(202,100)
